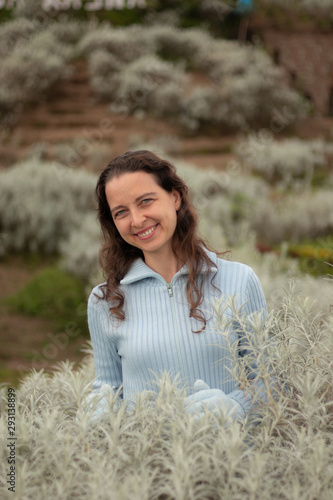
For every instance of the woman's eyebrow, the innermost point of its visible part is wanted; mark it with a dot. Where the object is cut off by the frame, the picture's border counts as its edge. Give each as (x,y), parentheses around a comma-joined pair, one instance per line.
(136,200)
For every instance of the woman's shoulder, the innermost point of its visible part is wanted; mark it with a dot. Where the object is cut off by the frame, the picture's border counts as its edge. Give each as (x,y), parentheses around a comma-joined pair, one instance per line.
(226,266)
(97,295)
(233,266)
(234,277)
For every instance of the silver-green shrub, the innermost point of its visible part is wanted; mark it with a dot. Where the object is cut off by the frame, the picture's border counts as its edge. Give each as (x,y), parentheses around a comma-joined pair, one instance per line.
(104,68)
(157,451)
(13,33)
(79,252)
(176,43)
(241,76)
(125,44)
(41,204)
(288,163)
(38,59)
(69,32)
(309,215)
(49,41)
(225,201)
(25,74)
(167,98)
(80,151)
(238,204)
(141,79)
(243,85)
(124,69)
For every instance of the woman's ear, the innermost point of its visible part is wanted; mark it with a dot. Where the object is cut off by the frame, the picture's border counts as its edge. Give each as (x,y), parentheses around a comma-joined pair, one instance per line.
(177,198)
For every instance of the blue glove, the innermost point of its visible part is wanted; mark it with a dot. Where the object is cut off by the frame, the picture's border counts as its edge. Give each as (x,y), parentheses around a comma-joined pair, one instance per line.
(97,404)
(204,398)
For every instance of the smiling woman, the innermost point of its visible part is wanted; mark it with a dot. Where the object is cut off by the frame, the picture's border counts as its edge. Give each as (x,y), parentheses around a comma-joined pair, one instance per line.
(161,283)
(145,216)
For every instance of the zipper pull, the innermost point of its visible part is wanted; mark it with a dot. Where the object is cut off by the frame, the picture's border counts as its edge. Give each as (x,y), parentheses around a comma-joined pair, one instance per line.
(170,290)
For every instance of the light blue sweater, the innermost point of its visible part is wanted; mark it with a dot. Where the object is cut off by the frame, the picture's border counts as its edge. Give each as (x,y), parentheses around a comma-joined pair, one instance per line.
(157,333)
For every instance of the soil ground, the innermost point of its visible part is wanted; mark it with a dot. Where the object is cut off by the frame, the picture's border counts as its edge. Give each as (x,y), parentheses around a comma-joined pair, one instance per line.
(69,114)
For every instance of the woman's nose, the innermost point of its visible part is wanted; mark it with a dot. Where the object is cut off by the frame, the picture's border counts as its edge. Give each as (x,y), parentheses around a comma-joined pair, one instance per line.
(137,218)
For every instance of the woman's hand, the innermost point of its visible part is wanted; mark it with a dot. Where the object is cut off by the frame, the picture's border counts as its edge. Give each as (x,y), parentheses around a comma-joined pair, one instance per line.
(97,404)
(204,398)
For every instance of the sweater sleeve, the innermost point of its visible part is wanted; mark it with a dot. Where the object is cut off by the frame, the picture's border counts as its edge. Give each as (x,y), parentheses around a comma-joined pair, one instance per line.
(255,303)
(108,373)
(107,362)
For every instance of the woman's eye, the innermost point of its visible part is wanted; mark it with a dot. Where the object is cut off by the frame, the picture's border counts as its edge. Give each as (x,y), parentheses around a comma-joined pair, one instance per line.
(120,213)
(146,200)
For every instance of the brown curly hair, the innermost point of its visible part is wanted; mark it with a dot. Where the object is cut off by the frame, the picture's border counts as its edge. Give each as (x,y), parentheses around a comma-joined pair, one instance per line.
(117,256)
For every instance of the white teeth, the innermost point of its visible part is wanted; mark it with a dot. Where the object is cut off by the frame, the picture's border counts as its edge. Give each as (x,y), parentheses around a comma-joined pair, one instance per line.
(147,233)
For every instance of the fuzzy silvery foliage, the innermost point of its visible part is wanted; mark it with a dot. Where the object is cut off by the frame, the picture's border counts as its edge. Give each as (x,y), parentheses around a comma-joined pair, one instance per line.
(178,43)
(13,33)
(239,204)
(104,68)
(223,216)
(69,32)
(141,81)
(224,199)
(166,100)
(230,181)
(104,63)
(31,68)
(308,215)
(24,73)
(286,163)
(50,42)
(245,59)
(155,450)
(246,88)
(79,152)
(125,44)
(233,96)
(41,204)
(241,76)
(79,252)
(278,272)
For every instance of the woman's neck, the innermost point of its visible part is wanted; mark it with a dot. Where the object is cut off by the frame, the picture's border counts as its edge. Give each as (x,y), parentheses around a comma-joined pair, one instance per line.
(166,267)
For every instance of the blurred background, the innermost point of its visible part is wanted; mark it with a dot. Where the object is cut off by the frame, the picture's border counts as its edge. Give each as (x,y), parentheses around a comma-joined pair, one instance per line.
(238,94)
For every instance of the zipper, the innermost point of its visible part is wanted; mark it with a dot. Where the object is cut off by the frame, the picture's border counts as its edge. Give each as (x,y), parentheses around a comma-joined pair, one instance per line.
(176,330)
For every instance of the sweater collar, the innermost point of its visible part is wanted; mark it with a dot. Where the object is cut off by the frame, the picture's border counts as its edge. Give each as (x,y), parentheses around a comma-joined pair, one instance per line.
(139,270)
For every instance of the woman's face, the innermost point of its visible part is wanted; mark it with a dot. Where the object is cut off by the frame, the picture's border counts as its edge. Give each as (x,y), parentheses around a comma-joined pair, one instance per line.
(143,212)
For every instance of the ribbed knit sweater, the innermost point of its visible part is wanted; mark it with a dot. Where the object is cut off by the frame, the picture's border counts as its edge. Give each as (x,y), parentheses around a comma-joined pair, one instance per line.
(158,336)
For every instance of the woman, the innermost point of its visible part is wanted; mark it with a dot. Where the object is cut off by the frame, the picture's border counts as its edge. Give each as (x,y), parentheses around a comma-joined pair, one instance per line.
(154,313)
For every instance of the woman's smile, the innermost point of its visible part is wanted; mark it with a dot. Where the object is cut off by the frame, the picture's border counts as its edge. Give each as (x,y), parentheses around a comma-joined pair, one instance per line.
(147,233)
